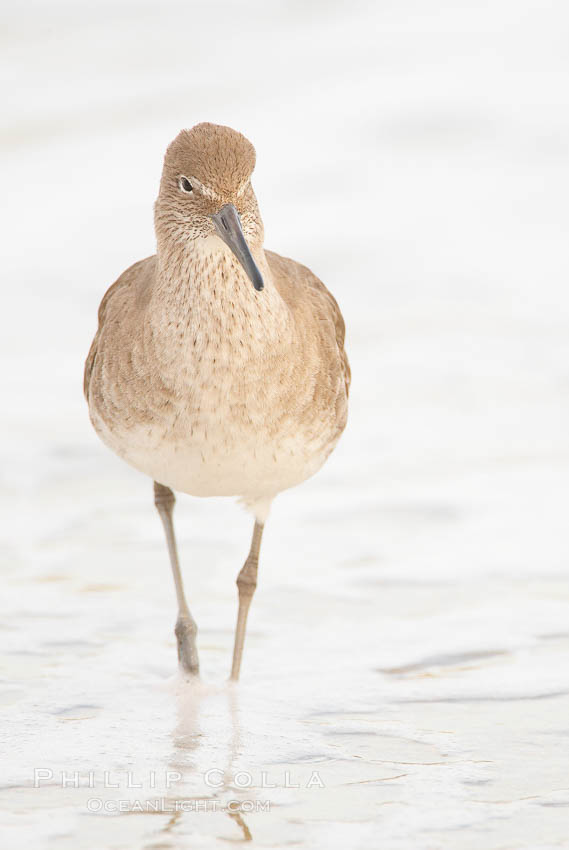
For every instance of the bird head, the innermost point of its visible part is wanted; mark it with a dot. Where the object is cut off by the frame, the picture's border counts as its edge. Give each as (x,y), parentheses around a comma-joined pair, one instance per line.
(206,191)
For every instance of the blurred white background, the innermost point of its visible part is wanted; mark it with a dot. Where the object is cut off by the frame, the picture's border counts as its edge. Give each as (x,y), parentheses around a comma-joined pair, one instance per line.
(414,597)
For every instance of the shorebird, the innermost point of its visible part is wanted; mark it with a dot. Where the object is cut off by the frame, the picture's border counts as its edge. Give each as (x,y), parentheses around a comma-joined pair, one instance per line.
(218,368)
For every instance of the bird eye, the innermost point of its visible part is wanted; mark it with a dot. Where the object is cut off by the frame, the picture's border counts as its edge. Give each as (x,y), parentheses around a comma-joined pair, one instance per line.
(185,184)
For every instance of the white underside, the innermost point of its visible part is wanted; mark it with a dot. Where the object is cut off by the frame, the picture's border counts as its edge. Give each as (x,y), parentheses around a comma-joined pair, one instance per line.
(254,472)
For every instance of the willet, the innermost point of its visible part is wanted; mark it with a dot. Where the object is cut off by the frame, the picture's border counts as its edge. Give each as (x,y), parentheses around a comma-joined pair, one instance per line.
(218,368)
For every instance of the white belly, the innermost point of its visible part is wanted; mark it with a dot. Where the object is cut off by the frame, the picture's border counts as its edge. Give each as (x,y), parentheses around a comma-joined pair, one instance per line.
(220,458)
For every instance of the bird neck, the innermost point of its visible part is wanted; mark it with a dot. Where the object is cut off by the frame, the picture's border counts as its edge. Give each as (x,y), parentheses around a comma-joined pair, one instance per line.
(202,290)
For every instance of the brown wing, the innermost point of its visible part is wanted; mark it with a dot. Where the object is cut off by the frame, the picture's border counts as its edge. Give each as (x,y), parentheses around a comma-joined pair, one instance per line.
(297,281)
(339,324)
(130,277)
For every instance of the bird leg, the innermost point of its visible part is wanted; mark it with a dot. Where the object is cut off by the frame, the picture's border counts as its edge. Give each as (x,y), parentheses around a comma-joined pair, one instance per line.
(186,629)
(246,584)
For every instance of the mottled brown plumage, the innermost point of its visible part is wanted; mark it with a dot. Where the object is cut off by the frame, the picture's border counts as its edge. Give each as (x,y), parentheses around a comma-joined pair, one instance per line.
(196,378)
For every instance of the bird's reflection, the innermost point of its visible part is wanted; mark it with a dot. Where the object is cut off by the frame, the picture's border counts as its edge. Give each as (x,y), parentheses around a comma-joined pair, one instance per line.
(208,742)
(190,698)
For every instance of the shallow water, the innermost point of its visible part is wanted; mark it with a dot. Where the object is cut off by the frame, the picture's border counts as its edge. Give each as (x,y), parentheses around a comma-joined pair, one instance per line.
(405,680)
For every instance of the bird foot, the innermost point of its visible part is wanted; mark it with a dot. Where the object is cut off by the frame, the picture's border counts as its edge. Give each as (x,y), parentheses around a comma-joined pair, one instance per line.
(186,631)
